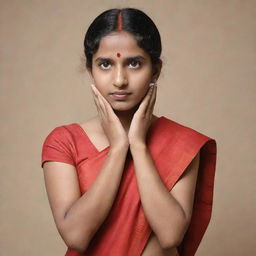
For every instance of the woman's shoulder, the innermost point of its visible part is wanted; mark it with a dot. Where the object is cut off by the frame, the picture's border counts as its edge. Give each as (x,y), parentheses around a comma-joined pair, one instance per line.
(71,127)
(186,137)
(91,124)
(182,128)
(60,133)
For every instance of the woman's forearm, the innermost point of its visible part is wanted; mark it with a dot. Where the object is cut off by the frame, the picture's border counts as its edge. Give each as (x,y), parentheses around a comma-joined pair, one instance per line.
(88,213)
(163,212)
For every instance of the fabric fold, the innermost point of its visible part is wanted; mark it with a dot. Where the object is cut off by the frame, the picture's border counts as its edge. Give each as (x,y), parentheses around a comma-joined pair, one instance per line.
(172,146)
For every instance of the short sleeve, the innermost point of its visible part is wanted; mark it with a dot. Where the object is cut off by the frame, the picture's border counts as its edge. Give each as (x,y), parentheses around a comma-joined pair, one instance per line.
(58,147)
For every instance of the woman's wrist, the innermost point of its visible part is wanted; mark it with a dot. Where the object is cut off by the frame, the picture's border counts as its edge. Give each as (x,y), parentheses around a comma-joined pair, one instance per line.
(119,147)
(138,146)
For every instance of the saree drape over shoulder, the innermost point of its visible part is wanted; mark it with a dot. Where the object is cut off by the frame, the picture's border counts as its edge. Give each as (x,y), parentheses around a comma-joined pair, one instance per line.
(126,230)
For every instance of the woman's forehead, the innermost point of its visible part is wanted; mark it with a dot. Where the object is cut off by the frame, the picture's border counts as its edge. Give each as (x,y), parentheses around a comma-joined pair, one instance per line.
(119,44)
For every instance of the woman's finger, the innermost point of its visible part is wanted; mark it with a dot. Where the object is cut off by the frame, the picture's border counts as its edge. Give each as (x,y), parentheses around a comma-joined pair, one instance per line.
(94,95)
(97,102)
(144,104)
(102,102)
(108,107)
(152,101)
(105,108)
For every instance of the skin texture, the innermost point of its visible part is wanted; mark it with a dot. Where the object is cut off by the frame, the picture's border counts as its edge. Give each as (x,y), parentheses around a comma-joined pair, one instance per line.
(123,73)
(125,123)
(168,212)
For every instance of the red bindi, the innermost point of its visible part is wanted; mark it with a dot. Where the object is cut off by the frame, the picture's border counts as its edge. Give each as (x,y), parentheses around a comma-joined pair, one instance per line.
(118,54)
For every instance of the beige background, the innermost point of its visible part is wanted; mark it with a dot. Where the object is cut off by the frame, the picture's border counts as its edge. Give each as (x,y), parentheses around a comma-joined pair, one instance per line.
(208,83)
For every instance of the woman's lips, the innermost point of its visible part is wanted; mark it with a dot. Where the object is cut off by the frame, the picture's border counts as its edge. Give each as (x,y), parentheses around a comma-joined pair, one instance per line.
(120,96)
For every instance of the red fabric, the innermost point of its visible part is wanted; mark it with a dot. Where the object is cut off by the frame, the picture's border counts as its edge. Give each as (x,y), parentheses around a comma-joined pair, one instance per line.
(173,146)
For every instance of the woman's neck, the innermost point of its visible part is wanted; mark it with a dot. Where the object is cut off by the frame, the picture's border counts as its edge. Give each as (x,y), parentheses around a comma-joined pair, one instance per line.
(125,118)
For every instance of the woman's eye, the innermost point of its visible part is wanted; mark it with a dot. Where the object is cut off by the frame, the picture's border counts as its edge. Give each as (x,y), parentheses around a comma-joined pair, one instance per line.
(104,65)
(135,64)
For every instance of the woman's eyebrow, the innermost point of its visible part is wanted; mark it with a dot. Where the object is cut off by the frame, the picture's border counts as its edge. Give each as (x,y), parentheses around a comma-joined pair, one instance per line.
(138,57)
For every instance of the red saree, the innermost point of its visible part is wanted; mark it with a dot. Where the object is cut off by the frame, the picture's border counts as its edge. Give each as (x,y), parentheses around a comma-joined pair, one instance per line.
(125,231)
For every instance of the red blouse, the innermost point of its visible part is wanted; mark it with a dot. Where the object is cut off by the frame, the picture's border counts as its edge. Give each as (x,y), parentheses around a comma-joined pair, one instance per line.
(126,230)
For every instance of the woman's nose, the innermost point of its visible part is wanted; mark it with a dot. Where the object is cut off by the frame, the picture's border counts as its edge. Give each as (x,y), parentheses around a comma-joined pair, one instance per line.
(120,78)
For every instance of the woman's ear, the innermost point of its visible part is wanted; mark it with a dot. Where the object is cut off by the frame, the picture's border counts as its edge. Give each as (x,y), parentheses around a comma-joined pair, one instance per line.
(156,71)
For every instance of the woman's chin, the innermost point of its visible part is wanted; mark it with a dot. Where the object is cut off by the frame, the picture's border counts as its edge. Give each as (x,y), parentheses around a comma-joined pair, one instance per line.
(123,106)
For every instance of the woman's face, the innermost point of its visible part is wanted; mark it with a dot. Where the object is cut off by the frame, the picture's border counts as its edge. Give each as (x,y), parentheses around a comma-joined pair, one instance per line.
(120,65)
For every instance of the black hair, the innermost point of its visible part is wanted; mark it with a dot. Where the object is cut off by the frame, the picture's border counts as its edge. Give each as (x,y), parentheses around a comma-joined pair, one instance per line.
(134,21)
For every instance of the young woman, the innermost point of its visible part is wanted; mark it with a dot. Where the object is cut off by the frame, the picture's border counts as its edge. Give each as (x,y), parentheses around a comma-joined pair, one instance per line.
(128,182)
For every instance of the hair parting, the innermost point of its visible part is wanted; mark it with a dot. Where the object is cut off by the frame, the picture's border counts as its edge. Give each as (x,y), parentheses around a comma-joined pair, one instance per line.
(131,20)
(119,22)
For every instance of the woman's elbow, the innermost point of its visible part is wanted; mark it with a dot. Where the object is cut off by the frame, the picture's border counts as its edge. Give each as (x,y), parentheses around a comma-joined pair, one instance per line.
(75,241)
(78,246)
(77,249)
(175,239)
(171,244)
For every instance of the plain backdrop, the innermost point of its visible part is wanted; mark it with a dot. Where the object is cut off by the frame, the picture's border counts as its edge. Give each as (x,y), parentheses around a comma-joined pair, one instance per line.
(207,83)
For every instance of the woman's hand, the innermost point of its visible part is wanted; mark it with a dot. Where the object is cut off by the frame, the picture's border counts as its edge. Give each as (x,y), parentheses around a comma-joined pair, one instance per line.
(142,119)
(110,122)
